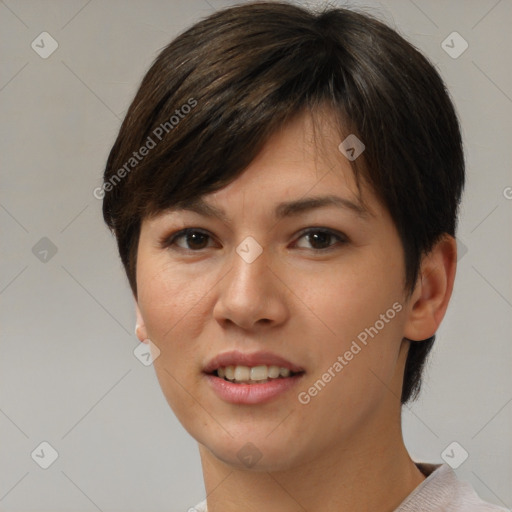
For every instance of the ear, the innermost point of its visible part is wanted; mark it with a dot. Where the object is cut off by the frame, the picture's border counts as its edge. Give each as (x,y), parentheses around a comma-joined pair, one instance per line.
(140,327)
(429,300)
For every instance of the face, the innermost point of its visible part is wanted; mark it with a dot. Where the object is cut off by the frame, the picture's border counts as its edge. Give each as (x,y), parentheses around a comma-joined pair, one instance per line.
(320,287)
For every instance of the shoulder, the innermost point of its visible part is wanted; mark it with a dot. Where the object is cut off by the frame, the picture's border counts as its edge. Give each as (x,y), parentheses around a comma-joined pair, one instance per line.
(442,491)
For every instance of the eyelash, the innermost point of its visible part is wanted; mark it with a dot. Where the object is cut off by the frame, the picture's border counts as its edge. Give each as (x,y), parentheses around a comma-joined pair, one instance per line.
(168,242)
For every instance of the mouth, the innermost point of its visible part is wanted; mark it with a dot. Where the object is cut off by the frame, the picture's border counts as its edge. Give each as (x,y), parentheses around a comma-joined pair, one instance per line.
(240,374)
(251,368)
(251,379)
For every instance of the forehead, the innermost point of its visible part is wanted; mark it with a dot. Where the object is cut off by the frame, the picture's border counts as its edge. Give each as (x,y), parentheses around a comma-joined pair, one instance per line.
(309,145)
(299,168)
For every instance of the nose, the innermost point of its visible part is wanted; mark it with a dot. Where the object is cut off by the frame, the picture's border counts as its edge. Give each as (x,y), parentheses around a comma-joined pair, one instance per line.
(251,294)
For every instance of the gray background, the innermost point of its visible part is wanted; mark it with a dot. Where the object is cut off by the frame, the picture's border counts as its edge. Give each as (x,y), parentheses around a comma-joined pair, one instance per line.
(68,373)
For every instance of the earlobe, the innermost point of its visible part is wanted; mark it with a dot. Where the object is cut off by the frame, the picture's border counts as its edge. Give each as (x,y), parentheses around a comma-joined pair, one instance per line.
(140,326)
(432,292)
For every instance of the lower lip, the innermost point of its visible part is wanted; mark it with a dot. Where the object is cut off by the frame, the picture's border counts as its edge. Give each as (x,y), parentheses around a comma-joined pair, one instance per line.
(251,393)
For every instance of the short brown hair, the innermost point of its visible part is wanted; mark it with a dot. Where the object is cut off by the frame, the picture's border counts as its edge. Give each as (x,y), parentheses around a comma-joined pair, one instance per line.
(245,71)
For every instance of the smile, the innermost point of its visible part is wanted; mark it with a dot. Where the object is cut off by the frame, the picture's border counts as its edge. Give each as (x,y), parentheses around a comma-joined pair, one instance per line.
(253,375)
(252,392)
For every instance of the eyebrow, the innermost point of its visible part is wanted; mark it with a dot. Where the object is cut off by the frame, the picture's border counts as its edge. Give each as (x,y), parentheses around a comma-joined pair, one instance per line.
(282,210)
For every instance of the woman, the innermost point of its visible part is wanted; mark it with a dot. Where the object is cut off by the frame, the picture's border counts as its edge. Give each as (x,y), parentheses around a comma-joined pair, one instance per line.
(284,193)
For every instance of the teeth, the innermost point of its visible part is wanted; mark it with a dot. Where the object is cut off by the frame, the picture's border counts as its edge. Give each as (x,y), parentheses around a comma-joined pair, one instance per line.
(242,372)
(229,372)
(273,372)
(258,373)
(253,374)
(284,372)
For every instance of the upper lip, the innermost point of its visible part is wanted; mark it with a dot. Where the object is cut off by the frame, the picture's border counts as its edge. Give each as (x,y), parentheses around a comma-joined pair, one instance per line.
(235,357)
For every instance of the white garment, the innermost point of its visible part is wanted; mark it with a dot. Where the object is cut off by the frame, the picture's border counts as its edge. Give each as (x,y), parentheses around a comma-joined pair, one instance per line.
(441,491)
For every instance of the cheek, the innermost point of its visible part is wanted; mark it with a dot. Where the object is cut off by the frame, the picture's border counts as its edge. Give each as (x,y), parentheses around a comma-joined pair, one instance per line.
(354,369)
(358,309)
(350,297)
(171,307)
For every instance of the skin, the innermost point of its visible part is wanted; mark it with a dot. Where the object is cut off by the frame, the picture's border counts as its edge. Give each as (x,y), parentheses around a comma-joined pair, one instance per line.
(344,450)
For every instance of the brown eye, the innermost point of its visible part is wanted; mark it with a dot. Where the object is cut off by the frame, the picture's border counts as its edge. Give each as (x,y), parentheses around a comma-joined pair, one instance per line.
(321,239)
(195,240)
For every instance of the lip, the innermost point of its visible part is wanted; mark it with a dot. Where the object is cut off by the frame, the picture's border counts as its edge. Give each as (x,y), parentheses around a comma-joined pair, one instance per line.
(235,357)
(251,394)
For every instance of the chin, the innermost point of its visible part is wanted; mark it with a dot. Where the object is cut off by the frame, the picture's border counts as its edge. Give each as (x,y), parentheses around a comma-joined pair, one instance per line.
(253,453)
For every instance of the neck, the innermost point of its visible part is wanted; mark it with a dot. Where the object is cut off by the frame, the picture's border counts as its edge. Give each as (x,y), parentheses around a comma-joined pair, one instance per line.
(370,471)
